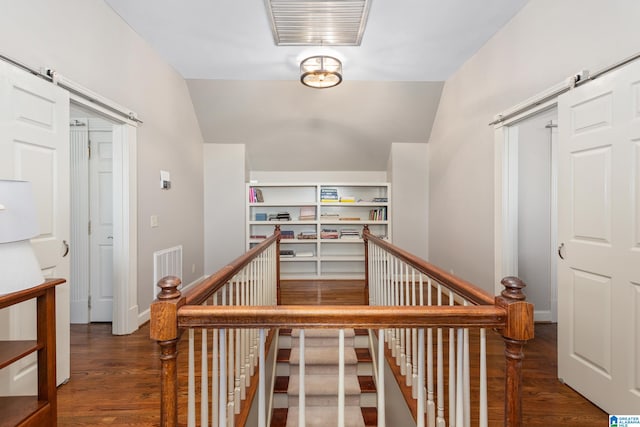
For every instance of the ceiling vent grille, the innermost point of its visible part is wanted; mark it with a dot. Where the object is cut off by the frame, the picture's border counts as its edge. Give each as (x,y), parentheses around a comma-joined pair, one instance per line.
(318,22)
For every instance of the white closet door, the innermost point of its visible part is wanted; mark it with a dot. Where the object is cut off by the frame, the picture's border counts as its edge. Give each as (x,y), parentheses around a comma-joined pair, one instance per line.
(34,146)
(599,228)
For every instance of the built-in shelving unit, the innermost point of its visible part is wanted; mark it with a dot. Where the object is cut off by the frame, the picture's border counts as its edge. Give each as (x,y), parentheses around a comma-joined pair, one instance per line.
(323,228)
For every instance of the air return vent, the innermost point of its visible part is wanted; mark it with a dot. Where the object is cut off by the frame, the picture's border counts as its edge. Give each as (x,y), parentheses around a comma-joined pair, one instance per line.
(318,22)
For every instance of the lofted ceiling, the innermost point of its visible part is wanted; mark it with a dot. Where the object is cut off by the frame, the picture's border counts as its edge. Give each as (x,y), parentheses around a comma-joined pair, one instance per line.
(245,89)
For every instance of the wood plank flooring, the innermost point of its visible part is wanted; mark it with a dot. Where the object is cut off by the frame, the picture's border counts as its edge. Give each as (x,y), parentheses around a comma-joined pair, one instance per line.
(115,379)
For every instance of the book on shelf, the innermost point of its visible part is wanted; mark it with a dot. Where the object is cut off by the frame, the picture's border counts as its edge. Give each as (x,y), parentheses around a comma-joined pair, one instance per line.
(258,236)
(329,233)
(261,216)
(329,215)
(280,216)
(307,213)
(308,235)
(287,253)
(378,214)
(349,233)
(329,195)
(287,234)
(255,195)
(347,199)
(380,200)
(349,218)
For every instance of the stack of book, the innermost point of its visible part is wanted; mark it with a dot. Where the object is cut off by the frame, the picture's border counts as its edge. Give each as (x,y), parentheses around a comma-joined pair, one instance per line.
(280,216)
(287,253)
(308,235)
(378,214)
(307,213)
(347,199)
(380,200)
(329,195)
(255,195)
(329,216)
(349,233)
(260,216)
(287,234)
(329,233)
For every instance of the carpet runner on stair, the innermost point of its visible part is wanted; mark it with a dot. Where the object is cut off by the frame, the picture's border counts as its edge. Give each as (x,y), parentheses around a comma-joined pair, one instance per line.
(321,379)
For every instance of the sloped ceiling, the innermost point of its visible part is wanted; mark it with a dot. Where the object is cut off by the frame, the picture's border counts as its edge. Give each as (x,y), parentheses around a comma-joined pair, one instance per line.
(246,90)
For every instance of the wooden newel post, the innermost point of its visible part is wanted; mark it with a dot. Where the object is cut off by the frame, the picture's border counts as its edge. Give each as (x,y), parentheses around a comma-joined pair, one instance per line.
(164,329)
(517,331)
(365,238)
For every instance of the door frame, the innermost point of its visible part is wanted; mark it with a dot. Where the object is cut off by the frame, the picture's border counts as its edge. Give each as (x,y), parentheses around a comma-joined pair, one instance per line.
(506,202)
(125,217)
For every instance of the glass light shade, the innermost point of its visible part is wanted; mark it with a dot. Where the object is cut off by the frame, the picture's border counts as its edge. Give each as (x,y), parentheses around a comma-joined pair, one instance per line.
(321,72)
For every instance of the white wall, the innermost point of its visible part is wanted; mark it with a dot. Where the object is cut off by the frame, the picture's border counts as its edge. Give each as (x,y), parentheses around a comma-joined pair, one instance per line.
(409,177)
(87,42)
(319,176)
(541,46)
(224,204)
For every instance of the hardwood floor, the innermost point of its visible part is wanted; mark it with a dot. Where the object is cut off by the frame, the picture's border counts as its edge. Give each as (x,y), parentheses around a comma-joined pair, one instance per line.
(114,379)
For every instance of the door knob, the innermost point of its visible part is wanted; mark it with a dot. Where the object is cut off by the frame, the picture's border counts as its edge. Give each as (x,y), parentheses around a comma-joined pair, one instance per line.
(560,248)
(66,248)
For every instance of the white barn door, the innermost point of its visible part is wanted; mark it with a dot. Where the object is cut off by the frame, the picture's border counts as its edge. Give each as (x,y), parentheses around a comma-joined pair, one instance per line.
(34,146)
(599,234)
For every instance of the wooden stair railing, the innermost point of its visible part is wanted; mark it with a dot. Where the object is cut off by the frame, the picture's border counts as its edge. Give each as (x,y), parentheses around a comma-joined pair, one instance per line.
(174,312)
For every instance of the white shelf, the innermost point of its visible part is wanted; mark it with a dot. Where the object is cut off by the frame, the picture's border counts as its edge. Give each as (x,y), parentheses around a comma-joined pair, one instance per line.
(335,258)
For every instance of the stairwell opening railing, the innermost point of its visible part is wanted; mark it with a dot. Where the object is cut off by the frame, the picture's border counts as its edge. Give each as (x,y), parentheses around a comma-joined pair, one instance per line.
(397,278)
(409,299)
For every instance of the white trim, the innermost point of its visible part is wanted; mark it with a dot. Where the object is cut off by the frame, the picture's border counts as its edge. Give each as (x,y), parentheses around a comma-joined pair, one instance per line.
(145,316)
(125,218)
(544,316)
(505,215)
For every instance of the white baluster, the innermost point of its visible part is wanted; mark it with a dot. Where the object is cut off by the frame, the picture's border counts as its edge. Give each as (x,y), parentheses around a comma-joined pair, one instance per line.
(466,379)
(420,410)
(460,380)
(222,403)
(262,392)
(191,391)
(204,385)
(381,363)
(301,391)
(483,419)
(440,362)
(341,378)
(215,378)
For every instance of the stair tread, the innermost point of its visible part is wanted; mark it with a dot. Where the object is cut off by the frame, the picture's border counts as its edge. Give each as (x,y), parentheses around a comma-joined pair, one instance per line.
(320,416)
(323,385)
(323,356)
(367,385)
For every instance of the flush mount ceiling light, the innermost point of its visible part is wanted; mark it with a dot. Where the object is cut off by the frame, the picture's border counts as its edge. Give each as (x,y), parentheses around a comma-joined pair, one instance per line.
(321,72)
(318,22)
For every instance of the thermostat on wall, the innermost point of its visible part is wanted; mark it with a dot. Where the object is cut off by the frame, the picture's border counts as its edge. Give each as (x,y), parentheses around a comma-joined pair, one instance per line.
(165,180)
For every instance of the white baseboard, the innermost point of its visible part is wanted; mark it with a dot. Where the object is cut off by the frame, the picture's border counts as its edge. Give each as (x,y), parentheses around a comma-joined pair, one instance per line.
(542,316)
(145,316)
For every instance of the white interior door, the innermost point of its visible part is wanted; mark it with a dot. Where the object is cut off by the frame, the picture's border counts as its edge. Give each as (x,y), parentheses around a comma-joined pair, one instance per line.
(599,228)
(101,237)
(34,146)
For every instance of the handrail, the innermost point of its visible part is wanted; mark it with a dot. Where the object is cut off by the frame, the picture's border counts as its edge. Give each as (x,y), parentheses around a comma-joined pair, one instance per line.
(466,289)
(26,294)
(336,317)
(210,285)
